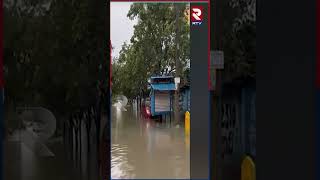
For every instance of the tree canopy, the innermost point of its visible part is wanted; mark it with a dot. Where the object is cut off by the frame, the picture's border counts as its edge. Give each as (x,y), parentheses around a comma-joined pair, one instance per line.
(235,34)
(54,53)
(152,48)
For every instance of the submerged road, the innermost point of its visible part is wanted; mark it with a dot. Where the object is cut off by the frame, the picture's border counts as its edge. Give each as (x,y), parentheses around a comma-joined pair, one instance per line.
(144,149)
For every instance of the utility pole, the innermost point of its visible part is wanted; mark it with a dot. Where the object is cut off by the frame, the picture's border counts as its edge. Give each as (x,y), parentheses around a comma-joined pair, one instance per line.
(177,59)
(216,43)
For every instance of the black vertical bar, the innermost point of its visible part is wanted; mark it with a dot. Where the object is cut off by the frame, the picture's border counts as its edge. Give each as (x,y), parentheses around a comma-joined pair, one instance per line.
(199,120)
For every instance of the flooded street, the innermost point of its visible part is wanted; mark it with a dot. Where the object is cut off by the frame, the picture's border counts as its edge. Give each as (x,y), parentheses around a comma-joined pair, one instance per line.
(143,148)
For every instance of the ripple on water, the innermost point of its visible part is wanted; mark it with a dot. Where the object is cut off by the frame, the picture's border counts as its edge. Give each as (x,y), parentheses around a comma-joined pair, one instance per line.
(120,167)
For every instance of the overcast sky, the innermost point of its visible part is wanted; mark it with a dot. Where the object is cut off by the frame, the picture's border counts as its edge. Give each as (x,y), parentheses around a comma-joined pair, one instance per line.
(121,25)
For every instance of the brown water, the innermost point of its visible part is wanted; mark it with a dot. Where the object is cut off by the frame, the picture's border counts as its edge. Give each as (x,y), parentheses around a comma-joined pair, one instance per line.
(143,148)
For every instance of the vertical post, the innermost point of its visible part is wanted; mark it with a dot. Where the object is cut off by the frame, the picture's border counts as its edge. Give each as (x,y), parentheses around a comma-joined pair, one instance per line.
(176,94)
(215,130)
(2,129)
(187,123)
(216,43)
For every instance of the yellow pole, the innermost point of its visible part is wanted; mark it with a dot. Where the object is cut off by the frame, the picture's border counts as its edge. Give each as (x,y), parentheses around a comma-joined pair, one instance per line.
(187,123)
(248,169)
(187,128)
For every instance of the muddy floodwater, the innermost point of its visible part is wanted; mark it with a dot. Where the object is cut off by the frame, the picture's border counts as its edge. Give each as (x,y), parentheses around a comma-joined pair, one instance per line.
(145,149)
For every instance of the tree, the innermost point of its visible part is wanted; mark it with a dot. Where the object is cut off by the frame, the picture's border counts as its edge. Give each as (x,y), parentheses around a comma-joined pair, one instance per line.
(54,54)
(151,48)
(239,38)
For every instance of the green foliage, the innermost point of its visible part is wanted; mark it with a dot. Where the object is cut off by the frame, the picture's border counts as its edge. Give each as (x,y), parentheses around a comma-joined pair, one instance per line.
(53,53)
(152,48)
(237,37)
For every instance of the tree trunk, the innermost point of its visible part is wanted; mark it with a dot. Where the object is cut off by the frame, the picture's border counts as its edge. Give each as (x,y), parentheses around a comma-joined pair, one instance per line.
(177,61)
(88,128)
(80,144)
(76,147)
(97,116)
(88,141)
(69,131)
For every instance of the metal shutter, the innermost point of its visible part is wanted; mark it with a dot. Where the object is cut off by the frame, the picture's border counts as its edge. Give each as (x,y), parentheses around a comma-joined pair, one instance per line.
(162,101)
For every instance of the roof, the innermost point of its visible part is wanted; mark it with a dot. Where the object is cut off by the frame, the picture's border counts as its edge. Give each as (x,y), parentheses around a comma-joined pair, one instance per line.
(161,77)
(164,87)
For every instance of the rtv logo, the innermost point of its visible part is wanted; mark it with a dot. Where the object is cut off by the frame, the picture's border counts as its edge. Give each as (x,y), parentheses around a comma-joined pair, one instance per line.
(196,15)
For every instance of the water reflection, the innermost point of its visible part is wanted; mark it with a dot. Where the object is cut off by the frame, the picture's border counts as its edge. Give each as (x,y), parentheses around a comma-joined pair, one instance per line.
(73,155)
(142,148)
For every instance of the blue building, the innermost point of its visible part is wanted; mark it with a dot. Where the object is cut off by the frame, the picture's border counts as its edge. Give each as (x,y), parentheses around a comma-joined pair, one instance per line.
(161,95)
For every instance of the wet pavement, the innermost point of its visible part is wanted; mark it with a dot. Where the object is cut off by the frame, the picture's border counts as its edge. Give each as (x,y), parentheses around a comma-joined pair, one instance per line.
(143,148)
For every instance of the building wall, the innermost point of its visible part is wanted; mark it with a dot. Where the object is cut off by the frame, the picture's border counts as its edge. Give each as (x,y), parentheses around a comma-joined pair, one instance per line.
(237,128)
(185,100)
(249,121)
